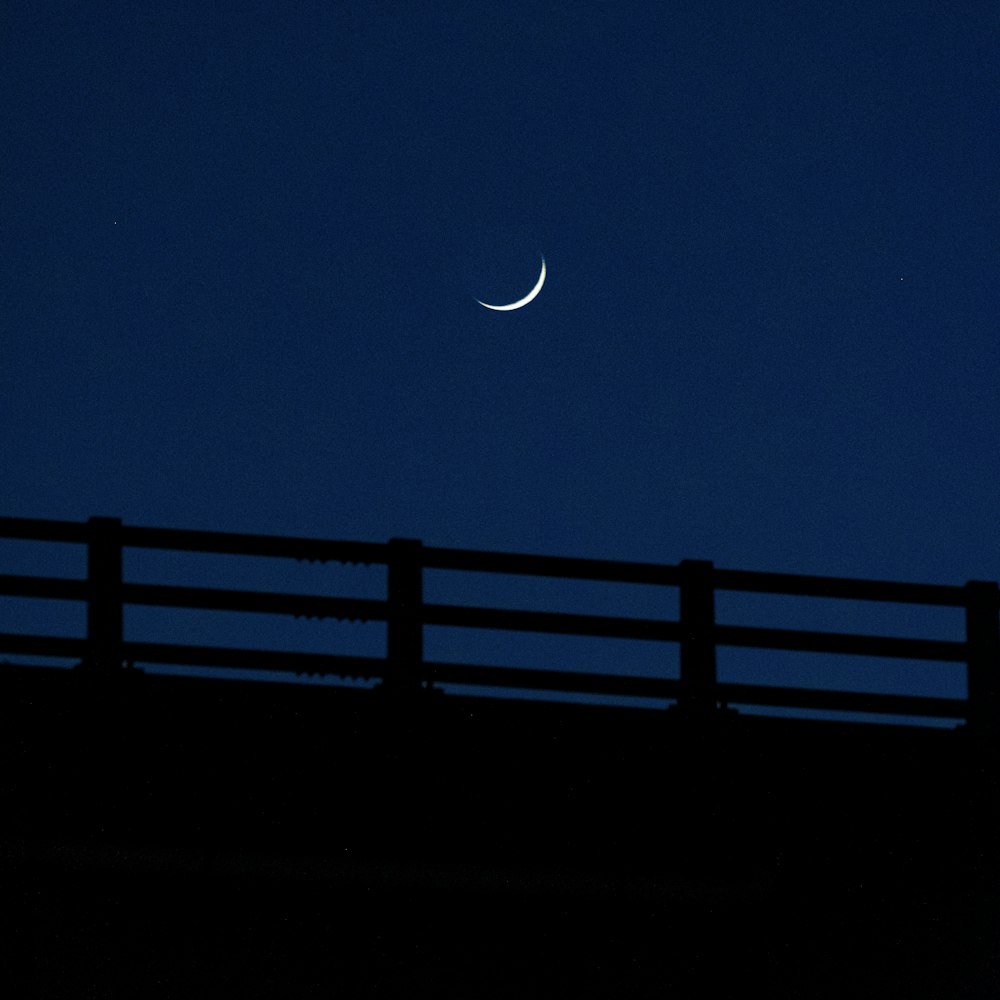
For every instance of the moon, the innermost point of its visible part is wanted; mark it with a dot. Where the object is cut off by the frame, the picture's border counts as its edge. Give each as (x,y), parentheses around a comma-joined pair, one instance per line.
(521,302)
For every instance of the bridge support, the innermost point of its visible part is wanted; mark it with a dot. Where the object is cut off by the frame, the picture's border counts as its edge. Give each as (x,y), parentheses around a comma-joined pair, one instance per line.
(104,598)
(982,634)
(698,673)
(405,639)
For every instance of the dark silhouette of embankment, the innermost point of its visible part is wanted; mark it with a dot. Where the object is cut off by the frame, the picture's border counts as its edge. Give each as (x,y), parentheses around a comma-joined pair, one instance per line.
(169,836)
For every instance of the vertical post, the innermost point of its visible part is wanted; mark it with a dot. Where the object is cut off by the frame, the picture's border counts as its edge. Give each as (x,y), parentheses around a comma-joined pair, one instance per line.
(698,677)
(104,597)
(982,636)
(405,641)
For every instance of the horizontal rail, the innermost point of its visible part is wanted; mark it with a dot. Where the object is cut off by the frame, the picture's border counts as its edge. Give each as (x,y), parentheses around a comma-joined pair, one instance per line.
(792,584)
(55,588)
(842,701)
(184,540)
(38,530)
(201,656)
(316,664)
(64,647)
(480,675)
(566,567)
(202,598)
(231,543)
(466,674)
(839,642)
(558,623)
(262,602)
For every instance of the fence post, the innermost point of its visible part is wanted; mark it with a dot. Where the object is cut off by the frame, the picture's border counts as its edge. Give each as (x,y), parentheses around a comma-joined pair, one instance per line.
(697,681)
(104,594)
(982,636)
(405,640)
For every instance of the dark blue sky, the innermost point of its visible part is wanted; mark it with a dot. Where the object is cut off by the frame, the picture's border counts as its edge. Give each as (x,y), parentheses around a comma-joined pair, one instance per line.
(242,246)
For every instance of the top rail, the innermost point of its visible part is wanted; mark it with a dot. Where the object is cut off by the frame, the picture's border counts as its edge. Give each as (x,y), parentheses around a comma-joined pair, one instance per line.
(38,530)
(794,584)
(185,540)
(231,543)
(482,561)
(565,567)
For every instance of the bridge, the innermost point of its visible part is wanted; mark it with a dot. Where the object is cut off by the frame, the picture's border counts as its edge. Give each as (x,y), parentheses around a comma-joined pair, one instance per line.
(479,828)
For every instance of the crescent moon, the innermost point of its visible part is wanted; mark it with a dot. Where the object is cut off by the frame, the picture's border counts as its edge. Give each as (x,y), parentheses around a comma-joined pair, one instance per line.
(521,302)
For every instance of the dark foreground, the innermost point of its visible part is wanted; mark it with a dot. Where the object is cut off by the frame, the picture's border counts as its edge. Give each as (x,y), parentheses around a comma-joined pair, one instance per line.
(176,838)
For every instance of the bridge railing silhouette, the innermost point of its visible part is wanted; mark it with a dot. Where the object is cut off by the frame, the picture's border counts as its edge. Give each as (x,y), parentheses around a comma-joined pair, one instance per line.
(405,612)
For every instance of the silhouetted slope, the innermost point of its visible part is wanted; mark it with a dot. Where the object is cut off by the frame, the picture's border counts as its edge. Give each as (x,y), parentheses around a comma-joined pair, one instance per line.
(165,836)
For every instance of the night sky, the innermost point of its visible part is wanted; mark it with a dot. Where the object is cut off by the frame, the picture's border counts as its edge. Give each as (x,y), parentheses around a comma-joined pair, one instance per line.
(242,246)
